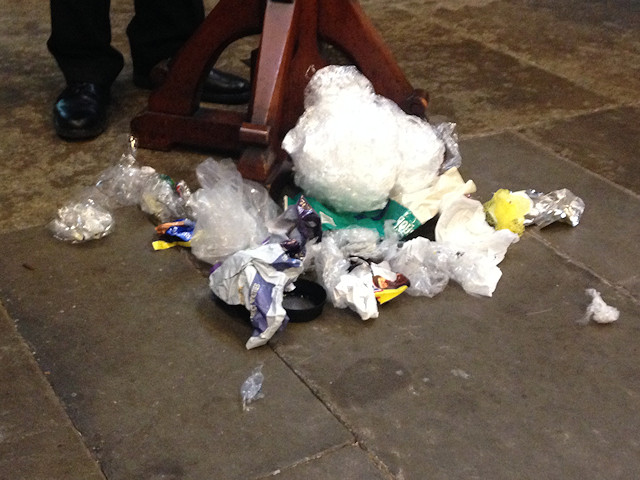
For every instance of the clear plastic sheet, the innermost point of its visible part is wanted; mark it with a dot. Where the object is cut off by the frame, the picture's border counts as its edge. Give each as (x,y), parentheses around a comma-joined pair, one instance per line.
(231,212)
(425,264)
(351,148)
(251,388)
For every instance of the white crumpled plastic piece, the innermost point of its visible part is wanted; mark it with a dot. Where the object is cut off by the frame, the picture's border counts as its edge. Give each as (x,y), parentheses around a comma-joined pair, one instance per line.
(352,148)
(463,225)
(475,248)
(598,310)
(345,288)
(426,203)
(355,289)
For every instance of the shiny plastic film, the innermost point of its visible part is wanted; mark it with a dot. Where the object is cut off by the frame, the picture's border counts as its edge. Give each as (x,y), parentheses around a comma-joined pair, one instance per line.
(557,206)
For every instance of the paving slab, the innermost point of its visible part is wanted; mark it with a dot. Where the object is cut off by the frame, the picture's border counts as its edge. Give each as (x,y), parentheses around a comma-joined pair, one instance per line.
(480,88)
(605,142)
(503,387)
(37,440)
(606,239)
(348,462)
(148,367)
(592,44)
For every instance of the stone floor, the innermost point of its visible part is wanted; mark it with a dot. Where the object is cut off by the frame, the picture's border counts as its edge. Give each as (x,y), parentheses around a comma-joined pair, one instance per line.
(116,364)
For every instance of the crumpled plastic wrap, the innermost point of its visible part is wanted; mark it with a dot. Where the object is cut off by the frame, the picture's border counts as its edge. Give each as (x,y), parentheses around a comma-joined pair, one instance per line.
(425,263)
(231,212)
(462,225)
(89,215)
(430,266)
(350,265)
(598,310)
(251,388)
(258,277)
(557,206)
(352,148)
(467,250)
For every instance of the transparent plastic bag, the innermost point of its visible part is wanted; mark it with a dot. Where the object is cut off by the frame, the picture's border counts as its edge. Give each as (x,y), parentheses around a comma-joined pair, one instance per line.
(90,215)
(162,198)
(87,217)
(424,263)
(231,213)
(347,283)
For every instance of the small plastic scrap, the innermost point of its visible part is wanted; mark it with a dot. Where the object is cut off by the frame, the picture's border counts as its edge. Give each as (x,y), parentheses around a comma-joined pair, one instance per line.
(387,284)
(251,389)
(174,234)
(598,310)
(507,210)
(560,205)
(452,158)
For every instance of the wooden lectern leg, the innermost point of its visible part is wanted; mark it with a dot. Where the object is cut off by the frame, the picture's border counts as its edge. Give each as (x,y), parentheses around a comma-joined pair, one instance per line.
(261,133)
(287,57)
(344,24)
(229,20)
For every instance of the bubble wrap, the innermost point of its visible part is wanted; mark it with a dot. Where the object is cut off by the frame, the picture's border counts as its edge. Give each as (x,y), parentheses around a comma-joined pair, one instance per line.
(351,148)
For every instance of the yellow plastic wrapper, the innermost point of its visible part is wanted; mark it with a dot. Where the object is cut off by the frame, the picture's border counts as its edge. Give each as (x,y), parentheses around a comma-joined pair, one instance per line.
(506,210)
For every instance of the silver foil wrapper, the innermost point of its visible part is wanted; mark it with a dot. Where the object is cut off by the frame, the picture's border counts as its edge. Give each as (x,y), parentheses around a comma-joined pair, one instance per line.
(557,206)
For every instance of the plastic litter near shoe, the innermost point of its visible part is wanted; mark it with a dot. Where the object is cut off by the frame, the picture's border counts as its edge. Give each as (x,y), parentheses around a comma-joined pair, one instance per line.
(368,175)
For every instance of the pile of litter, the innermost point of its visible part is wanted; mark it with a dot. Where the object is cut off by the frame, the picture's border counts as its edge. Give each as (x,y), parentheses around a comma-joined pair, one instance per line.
(368,175)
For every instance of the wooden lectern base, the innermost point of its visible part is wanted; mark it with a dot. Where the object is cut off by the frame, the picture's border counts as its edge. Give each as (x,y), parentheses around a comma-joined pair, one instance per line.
(287,56)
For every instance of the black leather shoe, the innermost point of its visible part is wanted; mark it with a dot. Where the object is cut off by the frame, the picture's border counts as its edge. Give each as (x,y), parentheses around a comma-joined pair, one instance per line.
(219,87)
(80,112)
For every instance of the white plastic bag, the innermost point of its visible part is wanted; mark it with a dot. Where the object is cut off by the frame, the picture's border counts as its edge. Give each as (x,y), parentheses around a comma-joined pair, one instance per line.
(351,148)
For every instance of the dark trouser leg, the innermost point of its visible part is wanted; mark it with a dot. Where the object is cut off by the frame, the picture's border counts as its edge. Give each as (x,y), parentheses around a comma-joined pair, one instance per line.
(80,41)
(159,28)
